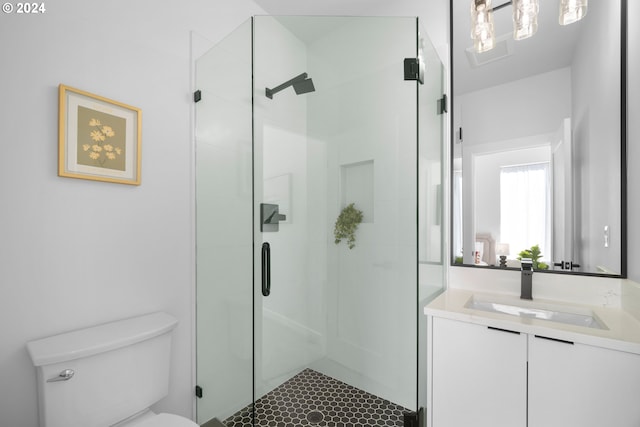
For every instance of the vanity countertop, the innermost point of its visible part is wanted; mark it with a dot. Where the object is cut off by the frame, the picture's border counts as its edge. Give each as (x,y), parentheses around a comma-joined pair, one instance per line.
(622,330)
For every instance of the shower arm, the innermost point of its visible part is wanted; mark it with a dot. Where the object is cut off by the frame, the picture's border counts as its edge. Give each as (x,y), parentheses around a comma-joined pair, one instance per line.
(271,92)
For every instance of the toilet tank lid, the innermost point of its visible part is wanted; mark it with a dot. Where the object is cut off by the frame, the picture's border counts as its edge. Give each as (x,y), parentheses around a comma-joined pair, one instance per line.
(99,339)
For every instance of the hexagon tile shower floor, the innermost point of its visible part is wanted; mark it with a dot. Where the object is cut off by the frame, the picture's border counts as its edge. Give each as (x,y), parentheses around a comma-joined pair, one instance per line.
(313,399)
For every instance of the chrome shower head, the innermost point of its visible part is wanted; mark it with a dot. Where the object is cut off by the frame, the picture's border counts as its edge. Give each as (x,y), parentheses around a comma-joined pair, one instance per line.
(301,84)
(304,86)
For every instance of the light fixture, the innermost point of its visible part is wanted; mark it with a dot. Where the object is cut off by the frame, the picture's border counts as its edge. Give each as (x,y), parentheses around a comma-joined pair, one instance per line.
(482,31)
(525,19)
(572,11)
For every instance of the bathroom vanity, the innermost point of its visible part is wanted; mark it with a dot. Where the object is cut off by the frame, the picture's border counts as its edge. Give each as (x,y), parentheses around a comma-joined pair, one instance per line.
(496,360)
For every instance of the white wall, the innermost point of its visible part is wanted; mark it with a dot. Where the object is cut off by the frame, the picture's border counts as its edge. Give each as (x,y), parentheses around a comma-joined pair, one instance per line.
(75,253)
(504,112)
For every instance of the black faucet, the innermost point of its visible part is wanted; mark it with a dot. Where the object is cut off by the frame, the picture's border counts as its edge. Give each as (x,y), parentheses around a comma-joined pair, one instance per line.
(526,278)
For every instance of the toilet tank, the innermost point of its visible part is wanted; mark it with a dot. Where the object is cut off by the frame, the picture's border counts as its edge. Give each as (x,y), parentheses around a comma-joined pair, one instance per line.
(115,370)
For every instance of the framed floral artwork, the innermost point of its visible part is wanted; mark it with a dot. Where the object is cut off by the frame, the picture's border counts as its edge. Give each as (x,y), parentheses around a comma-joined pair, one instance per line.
(99,139)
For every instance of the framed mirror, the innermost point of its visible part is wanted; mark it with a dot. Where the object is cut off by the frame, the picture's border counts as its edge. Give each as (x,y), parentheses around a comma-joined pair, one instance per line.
(539,136)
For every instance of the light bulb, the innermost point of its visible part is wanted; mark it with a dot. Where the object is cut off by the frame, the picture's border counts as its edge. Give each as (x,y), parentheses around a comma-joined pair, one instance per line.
(482,31)
(525,18)
(572,11)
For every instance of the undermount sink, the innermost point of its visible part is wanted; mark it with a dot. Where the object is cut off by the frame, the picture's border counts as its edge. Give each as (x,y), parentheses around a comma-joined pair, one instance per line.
(568,315)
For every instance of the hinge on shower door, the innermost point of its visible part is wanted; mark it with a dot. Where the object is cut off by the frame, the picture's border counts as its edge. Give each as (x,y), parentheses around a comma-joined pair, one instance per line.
(414,419)
(414,69)
(199,392)
(197,95)
(442,104)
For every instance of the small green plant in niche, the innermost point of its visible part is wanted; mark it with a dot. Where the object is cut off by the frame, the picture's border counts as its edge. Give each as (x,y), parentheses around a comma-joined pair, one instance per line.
(347,224)
(535,255)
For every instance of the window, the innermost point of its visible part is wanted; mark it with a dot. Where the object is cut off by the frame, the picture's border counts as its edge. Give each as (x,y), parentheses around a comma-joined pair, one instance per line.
(525,207)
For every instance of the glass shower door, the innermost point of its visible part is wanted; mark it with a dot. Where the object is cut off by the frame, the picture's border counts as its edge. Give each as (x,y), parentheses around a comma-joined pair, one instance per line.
(298,119)
(335,125)
(224,239)
(432,122)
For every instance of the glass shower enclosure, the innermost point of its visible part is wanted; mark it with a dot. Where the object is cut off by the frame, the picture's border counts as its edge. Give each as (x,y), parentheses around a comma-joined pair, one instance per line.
(300,122)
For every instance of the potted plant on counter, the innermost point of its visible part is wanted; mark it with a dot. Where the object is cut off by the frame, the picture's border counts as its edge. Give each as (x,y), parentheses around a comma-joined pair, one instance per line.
(535,255)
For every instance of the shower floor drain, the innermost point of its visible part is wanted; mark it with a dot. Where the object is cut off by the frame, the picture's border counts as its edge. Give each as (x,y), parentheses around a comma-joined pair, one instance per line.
(315,417)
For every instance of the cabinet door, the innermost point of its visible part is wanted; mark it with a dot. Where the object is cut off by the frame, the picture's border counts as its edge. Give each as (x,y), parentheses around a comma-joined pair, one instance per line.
(582,386)
(479,376)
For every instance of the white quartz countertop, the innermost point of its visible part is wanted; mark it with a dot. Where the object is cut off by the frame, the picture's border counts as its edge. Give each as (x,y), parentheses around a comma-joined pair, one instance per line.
(622,330)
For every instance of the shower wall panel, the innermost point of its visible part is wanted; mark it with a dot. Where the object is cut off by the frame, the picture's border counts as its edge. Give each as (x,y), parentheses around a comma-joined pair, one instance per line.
(366,114)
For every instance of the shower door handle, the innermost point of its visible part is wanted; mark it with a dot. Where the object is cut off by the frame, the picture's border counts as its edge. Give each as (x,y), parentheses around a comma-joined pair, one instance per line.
(266,269)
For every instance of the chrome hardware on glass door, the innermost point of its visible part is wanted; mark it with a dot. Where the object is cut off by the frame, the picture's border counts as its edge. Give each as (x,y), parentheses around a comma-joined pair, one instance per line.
(65,375)
(266,269)
(270,217)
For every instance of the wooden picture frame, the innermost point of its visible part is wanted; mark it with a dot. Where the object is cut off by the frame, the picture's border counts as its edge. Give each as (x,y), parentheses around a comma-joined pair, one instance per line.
(98,139)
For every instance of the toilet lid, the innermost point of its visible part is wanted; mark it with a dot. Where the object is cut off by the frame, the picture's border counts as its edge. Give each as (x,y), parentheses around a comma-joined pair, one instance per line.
(167,420)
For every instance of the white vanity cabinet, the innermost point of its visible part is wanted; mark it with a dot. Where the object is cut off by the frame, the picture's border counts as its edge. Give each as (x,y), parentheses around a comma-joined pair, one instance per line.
(483,376)
(572,384)
(479,376)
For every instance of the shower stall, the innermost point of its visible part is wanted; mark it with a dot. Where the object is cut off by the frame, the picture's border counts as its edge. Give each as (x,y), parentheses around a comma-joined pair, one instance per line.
(298,118)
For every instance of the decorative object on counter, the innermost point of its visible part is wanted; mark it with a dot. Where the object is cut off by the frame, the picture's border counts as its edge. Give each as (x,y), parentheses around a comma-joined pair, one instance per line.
(486,244)
(98,139)
(502,250)
(535,255)
(347,224)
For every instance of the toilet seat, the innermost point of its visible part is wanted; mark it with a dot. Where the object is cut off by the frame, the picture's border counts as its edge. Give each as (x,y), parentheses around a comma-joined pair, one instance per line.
(167,420)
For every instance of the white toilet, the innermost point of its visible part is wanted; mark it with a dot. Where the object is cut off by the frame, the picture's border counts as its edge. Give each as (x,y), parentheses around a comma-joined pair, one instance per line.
(108,375)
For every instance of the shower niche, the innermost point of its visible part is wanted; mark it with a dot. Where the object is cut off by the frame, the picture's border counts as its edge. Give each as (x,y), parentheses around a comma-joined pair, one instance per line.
(310,114)
(356,186)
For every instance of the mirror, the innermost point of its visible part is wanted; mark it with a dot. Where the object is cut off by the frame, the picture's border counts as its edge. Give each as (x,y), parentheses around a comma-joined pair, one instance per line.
(538,141)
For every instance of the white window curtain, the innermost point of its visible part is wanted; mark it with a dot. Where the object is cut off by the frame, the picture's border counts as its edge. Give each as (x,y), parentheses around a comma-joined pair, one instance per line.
(525,208)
